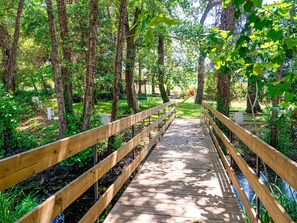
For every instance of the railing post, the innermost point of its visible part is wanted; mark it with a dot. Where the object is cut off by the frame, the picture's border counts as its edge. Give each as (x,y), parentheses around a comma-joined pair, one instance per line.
(95,184)
(133,134)
(149,125)
(158,119)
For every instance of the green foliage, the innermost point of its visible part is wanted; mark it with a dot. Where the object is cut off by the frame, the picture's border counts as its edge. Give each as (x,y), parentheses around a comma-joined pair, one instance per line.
(14,203)
(117,142)
(287,198)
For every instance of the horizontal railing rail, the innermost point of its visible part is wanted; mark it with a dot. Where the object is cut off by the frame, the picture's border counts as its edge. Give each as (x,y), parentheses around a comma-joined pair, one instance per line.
(22,166)
(280,164)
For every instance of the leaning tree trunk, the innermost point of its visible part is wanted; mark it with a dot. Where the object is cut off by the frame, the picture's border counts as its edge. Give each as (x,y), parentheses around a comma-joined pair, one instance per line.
(161,69)
(57,68)
(10,86)
(66,50)
(223,87)
(252,99)
(200,90)
(118,68)
(275,103)
(5,48)
(91,64)
(130,63)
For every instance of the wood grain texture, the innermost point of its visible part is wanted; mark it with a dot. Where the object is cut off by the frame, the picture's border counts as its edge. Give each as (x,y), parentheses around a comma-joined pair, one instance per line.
(107,197)
(24,165)
(58,202)
(278,162)
(244,199)
(182,181)
(275,210)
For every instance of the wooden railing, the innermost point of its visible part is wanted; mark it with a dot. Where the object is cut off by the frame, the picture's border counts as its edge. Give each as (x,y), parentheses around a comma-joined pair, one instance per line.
(22,166)
(280,164)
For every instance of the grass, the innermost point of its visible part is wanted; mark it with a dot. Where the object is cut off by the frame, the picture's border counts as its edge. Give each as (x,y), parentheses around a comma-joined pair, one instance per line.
(189,109)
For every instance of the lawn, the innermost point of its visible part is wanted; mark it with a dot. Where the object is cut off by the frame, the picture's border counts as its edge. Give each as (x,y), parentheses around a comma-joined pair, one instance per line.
(186,109)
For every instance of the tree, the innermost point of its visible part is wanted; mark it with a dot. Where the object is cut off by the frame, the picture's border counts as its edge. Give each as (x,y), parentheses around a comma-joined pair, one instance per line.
(161,73)
(223,86)
(10,55)
(91,63)
(201,60)
(66,50)
(118,67)
(130,63)
(252,102)
(57,68)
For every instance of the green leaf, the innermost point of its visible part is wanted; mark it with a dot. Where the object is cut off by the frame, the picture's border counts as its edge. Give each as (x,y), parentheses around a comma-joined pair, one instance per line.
(257,3)
(288,96)
(275,35)
(243,51)
(248,6)
(226,3)
(290,42)
(237,3)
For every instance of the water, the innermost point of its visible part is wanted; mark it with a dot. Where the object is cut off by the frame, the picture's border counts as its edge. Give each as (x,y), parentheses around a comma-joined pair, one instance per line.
(284,186)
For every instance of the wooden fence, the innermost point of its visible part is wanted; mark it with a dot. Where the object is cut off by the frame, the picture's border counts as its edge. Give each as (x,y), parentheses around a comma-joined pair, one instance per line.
(280,164)
(22,166)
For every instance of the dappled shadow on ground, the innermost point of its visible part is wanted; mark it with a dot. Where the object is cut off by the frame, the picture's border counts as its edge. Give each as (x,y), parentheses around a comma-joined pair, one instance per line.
(182,181)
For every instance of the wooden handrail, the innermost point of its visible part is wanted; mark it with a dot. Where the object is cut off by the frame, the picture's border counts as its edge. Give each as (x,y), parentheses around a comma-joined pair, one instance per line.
(275,210)
(19,167)
(58,202)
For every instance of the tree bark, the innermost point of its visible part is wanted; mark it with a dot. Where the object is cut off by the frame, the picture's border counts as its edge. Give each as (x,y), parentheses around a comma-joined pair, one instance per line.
(118,68)
(130,63)
(10,86)
(275,103)
(140,80)
(161,69)
(200,89)
(201,60)
(5,45)
(88,99)
(252,95)
(57,68)
(223,87)
(66,50)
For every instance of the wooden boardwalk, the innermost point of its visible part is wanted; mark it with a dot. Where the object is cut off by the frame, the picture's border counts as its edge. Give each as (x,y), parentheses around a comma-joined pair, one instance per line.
(183,180)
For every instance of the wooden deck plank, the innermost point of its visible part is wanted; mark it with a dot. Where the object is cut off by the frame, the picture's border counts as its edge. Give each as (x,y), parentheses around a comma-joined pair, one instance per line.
(182,180)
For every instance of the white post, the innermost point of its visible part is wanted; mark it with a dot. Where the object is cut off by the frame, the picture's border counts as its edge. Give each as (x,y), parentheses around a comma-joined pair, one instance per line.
(238,117)
(50,113)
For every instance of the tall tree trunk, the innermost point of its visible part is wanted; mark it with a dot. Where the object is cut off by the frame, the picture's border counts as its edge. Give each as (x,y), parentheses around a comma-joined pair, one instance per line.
(275,103)
(57,68)
(12,65)
(254,100)
(66,49)
(88,99)
(5,45)
(140,80)
(130,63)
(118,68)
(223,87)
(153,84)
(200,89)
(161,69)
(201,60)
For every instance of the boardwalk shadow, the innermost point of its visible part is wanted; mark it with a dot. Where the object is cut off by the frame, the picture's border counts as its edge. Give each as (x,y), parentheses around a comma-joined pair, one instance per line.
(182,181)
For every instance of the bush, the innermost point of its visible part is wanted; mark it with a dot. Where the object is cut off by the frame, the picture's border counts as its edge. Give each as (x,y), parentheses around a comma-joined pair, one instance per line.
(14,203)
